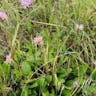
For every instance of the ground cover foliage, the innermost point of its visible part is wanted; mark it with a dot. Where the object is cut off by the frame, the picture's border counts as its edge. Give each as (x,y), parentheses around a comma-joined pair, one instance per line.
(48,48)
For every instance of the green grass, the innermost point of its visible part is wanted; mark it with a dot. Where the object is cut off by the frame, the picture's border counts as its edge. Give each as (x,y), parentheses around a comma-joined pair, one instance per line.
(67,54)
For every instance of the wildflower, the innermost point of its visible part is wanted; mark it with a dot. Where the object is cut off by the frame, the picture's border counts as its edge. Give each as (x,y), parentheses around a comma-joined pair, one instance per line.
(8,59)
(25,3)
(38,40)
(3,16)
(79,27)
(75,84)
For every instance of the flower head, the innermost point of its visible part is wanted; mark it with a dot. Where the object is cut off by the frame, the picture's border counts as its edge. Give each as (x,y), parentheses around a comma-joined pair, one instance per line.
(8,59)
(75,84)
(79,26)
(3,16)
(38,40)
(25,3)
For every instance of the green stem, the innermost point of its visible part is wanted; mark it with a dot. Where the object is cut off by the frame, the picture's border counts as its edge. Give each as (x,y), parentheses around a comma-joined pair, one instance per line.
(15,35)
(46,57)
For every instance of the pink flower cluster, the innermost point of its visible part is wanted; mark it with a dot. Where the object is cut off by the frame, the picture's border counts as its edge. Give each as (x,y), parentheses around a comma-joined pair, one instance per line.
(3,16)
(8,59)
(38,40)
(79,27)
(25,3)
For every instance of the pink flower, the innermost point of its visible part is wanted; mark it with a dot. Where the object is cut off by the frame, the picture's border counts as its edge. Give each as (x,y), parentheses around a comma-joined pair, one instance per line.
(75,84)
(8,59)
(3,16)
(38,40)
(25,3)
(79,27)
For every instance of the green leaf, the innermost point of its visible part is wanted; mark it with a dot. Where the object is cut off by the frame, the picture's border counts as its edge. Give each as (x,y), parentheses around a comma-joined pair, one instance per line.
(18,74)
(63,72)
(42,82)
(26,68)
(83,69)
(35,84)
(25,92)
(57,83)
(93,75)
(63,47)
(17,56)
(33,93)
(29,26)
(66,93)
(45,92)
(46,36)
(6,70)
(52,93)
(1,70)
(48,78)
